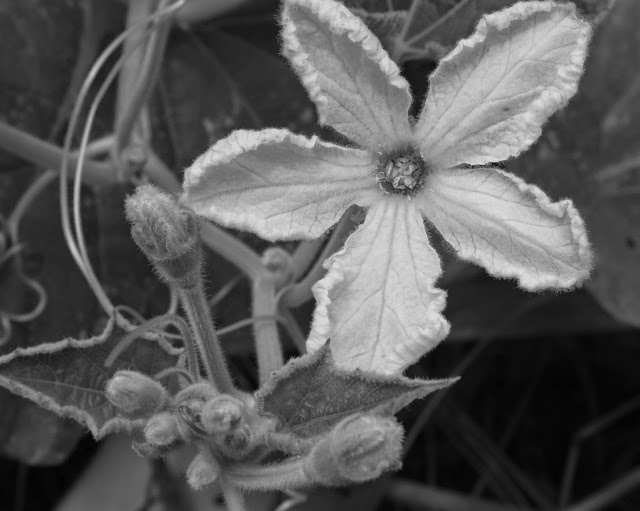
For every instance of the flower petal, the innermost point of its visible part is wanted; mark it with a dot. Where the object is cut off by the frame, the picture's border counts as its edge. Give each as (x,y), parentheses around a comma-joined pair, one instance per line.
(378,303)
(356,87)
(277,184)
(490,96)
(509,227)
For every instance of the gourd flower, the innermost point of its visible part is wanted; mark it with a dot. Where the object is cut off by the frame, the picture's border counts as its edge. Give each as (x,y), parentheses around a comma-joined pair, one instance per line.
(487,101)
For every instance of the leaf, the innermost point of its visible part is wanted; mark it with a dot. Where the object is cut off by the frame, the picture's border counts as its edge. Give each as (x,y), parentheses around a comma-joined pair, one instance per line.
(69,377)
(309,395)
(590,153)
(27,432)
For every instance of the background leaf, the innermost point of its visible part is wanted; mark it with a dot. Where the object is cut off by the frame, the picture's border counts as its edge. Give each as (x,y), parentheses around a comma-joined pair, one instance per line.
(215,82)
(428,29)
(310,394)
(69,377)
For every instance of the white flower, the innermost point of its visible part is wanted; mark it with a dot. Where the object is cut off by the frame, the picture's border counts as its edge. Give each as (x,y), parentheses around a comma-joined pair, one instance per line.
(487,102)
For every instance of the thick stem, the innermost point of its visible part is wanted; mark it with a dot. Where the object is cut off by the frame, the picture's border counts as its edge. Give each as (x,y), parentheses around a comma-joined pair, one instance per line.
(195,306)
(304,254)
(144,78)
(49,156)
(233,497)
(138,13)
(300,292)
(265,331)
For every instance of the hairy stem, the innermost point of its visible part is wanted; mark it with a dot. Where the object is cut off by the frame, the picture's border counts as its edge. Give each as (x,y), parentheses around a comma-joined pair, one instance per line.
(195,306)
(285,475)
(233,497)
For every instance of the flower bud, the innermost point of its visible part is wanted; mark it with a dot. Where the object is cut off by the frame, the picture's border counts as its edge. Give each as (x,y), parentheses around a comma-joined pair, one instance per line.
(189,403)
(167,233)
(237,443)
(135,394)
(359,448)
(279,263)
(203,470)
(162,429)
(221,414)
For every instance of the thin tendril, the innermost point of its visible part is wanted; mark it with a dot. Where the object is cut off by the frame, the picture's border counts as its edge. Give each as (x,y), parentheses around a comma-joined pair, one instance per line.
(174,370)
(76,253)
(249,321)
(128,339)
(139,319)
(224,291)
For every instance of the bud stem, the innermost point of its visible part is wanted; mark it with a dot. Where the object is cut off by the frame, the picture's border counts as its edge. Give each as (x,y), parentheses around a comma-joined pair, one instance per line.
(233,497)
(195,306)
(280,476)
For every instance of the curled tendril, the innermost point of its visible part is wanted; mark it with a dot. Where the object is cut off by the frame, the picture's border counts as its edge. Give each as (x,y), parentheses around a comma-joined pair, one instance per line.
(10,256)
(192,421)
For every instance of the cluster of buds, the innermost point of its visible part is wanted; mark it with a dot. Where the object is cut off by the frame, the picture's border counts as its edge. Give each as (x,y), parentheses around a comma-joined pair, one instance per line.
(229,434)
(223,427)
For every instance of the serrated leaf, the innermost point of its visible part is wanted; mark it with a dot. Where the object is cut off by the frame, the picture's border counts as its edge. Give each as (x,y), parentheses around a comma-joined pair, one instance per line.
(29,433)
(310,394)
(69,377)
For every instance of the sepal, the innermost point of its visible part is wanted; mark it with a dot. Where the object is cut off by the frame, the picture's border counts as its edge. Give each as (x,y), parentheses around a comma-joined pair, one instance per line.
(203,470)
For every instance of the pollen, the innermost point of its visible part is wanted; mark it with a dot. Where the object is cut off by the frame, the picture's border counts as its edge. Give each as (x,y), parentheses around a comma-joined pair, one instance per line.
(401,171)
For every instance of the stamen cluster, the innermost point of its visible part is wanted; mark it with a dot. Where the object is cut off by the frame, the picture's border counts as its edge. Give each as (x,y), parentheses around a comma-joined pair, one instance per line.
(401,171)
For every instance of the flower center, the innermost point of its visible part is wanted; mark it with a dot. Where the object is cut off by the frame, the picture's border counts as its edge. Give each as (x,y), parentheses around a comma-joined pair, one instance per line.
(401,171)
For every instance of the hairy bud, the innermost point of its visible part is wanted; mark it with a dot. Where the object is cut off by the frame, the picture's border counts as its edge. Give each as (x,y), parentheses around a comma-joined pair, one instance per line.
(359,448)
(167,233)
(221,414)
(162,430)
(135,394)
(203,470)
(237,443)
(189,403)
